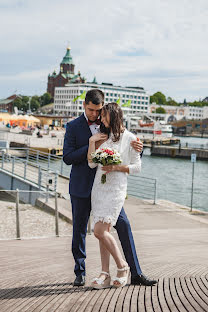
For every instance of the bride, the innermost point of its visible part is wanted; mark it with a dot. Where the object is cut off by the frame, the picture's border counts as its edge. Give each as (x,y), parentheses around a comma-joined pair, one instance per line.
(107,199)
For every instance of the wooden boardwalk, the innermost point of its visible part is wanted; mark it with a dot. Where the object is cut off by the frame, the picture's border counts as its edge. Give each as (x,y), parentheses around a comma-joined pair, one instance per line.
(37,275)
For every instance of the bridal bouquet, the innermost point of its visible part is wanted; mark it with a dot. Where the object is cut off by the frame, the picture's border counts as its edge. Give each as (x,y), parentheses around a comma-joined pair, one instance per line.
(106,156)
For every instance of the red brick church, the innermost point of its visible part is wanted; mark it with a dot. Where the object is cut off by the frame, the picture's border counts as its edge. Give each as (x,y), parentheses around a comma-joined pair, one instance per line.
(66,74)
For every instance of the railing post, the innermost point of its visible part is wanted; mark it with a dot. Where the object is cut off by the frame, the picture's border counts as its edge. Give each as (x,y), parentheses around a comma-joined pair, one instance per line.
(49,157)
(47,192)
(25,169)
(2,164)
(27,155)
(13,162)
(155,192)
(62,162)
(37,157)
(17,215)
(55,180)
(56,215)
(39,177)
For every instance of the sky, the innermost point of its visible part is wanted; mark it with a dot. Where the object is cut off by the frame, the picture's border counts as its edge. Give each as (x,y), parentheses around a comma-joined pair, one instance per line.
(160,45)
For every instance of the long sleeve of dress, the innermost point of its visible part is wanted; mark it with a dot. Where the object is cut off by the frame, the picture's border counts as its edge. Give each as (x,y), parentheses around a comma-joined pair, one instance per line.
(92,165)
(135,162)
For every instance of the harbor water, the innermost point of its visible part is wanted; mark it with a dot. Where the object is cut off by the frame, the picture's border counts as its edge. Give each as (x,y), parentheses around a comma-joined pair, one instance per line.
(174,176)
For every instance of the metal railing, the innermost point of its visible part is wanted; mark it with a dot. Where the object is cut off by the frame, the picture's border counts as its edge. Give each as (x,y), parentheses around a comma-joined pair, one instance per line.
(30,171)
(53,165)
(16,195)
(142,187)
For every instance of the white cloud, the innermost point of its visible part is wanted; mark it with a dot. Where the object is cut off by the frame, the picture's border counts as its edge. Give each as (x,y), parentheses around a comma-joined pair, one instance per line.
(160,45)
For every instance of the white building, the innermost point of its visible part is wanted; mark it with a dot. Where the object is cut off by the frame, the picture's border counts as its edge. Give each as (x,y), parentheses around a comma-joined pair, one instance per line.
(180,112)
(64,105)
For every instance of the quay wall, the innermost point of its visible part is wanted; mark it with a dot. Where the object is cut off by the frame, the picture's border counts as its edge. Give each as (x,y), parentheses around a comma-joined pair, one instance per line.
(177,152)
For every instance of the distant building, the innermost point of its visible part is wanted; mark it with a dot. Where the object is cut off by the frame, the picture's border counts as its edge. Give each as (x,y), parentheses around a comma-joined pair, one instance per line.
(181,112)
(6,105)
(65,75)
(135,99)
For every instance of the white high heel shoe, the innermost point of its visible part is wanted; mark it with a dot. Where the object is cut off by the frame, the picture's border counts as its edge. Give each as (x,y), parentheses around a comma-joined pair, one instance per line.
(121,280)
(99,283)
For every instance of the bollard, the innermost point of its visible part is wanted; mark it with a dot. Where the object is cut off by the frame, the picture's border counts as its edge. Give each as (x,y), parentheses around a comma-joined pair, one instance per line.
(56,216)
(17,215)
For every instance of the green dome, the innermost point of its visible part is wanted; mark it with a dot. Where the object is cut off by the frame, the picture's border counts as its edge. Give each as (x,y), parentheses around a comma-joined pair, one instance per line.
(67,58)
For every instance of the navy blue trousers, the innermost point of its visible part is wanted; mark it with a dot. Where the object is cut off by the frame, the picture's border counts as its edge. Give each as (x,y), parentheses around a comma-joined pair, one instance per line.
(81,208)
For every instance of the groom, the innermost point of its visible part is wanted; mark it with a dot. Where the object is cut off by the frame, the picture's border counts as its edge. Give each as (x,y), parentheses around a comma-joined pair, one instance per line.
(75,150)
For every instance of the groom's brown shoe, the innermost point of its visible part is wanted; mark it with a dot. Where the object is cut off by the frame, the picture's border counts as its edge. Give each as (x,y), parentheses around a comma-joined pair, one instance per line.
(141,279)
(79,280)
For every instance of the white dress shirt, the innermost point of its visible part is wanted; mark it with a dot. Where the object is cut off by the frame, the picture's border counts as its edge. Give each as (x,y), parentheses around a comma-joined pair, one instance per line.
(94,128)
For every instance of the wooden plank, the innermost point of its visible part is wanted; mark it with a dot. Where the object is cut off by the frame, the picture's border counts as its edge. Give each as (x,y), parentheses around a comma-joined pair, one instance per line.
(63,303)
(201,286)
(148,299)
(101,300)
(194,294)
(127,299)
(108,298)
(133,303)
(17,296)
(189,297)
(113,301)
(50,297)
(36,294)
(176,299)
(199,291)
(161,297)
(155,299)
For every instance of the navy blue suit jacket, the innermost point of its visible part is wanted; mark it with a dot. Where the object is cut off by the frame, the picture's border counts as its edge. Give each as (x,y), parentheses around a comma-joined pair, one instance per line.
(75,150)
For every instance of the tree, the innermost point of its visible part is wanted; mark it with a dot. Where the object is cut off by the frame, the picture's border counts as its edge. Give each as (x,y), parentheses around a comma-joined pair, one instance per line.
(34,103)
(18,103)
(46,98)
(160,110)
(158,98)
(171,101)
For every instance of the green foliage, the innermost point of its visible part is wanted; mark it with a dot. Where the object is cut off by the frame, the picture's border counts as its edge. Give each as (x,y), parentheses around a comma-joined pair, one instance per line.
(45,99)
(160,110)
(171,101)
(34,103)
(196,103)
(158,98)
(18,103)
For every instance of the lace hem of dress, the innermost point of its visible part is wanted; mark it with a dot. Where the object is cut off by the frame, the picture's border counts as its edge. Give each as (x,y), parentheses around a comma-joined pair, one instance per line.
(106,219)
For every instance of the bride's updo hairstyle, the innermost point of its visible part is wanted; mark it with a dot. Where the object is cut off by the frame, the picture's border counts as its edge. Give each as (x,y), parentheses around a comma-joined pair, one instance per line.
(116,120)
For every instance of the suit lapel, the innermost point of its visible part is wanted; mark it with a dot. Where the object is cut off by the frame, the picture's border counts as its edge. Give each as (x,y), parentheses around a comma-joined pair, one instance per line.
(85,127)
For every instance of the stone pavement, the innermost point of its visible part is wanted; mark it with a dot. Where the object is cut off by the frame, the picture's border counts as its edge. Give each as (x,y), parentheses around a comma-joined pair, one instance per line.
(37,275)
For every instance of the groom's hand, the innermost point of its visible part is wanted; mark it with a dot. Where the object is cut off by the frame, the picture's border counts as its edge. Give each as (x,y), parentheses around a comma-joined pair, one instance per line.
(137,145)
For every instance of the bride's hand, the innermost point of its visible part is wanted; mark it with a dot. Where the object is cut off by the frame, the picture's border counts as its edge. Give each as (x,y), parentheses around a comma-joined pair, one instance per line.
(110,168)
(98,137)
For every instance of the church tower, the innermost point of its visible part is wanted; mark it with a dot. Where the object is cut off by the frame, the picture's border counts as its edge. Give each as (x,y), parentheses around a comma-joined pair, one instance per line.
(66,74)
(67,65)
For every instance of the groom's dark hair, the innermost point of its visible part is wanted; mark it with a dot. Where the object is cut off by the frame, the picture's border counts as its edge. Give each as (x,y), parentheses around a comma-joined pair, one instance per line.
(95,96)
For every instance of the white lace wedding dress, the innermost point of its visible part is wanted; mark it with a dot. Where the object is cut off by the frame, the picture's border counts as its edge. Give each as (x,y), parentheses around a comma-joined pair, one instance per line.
(107,199)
